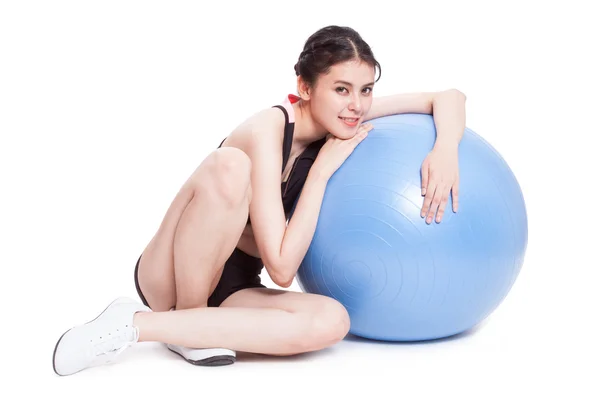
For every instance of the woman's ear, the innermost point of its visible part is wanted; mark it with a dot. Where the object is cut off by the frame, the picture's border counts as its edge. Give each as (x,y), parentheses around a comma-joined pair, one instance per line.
(303,89)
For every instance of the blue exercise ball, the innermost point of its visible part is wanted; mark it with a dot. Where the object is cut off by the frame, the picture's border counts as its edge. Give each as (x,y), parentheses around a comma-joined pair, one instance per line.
(400,278)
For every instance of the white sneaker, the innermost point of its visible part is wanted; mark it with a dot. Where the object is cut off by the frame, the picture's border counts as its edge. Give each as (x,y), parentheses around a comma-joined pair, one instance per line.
(99,341)
(210,357)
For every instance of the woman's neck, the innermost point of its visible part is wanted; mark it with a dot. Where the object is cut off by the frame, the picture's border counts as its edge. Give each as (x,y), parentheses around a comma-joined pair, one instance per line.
(306,129)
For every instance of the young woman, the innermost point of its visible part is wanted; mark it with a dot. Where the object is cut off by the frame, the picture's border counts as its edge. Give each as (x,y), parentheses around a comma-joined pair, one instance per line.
(198,278)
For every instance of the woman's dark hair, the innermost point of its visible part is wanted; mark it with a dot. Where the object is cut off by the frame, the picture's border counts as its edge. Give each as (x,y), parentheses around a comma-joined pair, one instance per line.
(329,46)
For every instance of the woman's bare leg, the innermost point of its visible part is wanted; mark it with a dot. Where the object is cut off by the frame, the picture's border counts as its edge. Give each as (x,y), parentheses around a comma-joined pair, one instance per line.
(210,228)
(257,320)
(182,264)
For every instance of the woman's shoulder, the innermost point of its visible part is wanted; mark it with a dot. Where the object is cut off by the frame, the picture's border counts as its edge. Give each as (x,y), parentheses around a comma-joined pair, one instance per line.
(265,124)
(270,118)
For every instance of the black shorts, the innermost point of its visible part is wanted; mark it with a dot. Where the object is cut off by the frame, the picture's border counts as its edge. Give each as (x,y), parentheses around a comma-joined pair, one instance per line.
(241,271)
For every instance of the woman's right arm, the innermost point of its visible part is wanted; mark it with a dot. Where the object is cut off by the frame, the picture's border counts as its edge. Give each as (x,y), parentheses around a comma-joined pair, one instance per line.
(282,248)
(301,227)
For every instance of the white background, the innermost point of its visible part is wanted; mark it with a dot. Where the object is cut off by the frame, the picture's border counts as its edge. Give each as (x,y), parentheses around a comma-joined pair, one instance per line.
(106,108)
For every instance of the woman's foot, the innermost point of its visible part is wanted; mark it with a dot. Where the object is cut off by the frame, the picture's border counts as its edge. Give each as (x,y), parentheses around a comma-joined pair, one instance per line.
(99,341)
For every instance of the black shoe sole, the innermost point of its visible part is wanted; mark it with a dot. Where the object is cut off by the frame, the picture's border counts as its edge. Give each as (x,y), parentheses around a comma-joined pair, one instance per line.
(214,361)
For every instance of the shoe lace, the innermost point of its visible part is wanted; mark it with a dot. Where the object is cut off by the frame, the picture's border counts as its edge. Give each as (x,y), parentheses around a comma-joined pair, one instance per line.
(108,347)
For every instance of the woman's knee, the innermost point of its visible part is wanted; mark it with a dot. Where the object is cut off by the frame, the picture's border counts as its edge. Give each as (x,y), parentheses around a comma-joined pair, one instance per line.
(325,326)
(227,176)
(331,324)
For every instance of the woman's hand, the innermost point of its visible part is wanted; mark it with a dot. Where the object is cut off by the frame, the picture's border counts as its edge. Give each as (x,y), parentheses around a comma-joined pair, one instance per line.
(439,176)
(335,151)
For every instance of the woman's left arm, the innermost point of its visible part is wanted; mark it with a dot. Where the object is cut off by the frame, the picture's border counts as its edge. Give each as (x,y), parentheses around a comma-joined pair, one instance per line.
(439,171)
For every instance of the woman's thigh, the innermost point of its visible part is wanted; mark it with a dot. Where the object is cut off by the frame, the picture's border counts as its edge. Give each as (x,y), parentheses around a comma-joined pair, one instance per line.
(155,273)
(283,300)
(322,320)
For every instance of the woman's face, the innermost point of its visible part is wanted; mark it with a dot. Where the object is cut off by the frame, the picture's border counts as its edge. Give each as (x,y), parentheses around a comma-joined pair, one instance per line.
(342,98)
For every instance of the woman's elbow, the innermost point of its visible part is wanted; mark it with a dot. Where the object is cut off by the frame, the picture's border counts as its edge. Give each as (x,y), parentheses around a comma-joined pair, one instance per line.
(286,282)
(278,275)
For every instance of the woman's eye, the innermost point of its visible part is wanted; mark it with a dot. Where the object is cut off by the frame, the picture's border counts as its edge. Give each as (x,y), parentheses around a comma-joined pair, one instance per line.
(366,90)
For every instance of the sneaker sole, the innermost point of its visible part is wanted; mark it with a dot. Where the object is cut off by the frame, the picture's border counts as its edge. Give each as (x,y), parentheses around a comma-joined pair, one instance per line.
(118,300)
(214,361)
(54,353)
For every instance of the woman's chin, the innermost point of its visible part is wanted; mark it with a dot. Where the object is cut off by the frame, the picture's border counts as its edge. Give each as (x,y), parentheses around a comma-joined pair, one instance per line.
(344,132)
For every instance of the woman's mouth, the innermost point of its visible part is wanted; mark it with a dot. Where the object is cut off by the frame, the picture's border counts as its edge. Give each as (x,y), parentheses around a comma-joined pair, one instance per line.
(349,121)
